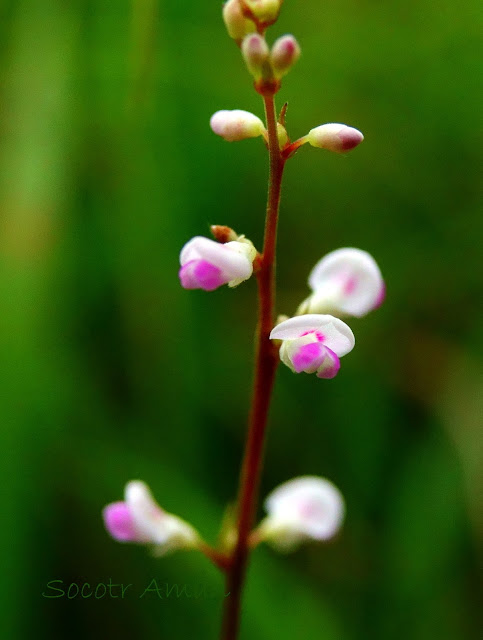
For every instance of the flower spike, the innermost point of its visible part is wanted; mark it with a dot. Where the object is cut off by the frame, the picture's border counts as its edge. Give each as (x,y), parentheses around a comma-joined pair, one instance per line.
(140,519)
(346,281)
(206,264)
(313,343)
(300,510)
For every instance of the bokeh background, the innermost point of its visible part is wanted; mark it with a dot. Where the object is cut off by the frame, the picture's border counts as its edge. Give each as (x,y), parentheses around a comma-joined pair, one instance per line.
(110,371)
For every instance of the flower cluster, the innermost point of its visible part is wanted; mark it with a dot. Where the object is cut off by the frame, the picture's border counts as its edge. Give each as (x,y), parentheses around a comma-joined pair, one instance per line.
(246,22)
(346,282)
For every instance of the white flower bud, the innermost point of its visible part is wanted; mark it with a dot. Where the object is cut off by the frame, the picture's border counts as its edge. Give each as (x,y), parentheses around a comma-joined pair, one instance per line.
(236,125)
(236,23)
(285,53)
(255,52)
(265,11)
(282,135)
(335,137)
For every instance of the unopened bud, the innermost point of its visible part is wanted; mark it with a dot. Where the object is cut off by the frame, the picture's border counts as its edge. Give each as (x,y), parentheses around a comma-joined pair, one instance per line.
(335,137)
(223,234)
(282,135)
(236,125)
(265,11)
(236,23)
(255,53)
(285,53)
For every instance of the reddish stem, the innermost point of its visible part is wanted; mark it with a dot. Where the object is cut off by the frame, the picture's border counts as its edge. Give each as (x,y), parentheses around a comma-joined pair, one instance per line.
(218,558)
(292,148)
(265,367)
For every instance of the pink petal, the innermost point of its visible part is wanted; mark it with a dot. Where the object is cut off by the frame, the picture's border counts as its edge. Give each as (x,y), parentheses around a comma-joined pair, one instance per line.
(200,274)
(349,138)
(308,356)
(330,365)
(119,522)
(381,297)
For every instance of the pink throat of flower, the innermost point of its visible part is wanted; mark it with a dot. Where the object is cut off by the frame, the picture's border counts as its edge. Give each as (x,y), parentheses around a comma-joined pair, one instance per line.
(312,510)
(201,274)
(320,336)
(350,285)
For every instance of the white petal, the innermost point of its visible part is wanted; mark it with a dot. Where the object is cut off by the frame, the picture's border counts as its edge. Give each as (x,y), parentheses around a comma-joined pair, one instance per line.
(200,248)
(337,335)
(147,514)
(347,280)
(231,257)
(178,534)
(154,525)
(309,505)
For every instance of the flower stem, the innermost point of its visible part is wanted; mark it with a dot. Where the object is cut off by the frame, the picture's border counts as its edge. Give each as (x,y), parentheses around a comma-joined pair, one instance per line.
(218,558)
(265,367)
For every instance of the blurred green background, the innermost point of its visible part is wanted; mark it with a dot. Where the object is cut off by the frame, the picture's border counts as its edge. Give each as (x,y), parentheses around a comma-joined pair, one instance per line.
(110,371)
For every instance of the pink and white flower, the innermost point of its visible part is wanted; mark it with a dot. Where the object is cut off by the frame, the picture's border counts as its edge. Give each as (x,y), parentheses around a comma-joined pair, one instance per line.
(345,281)
(313,343)
(140,519)
(300,510)
(206,264)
